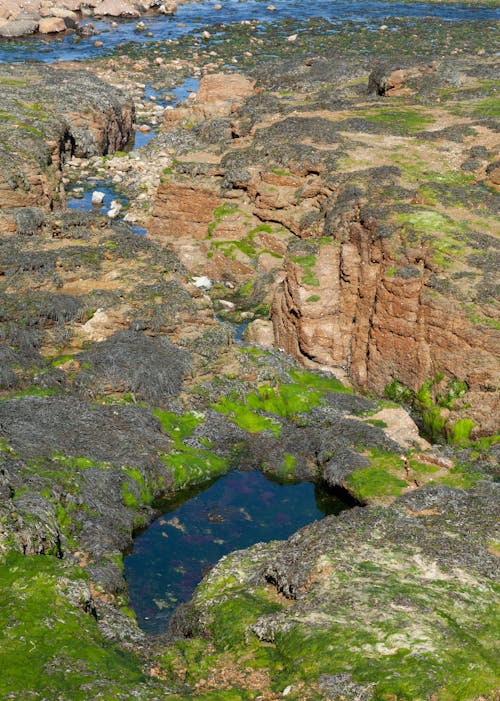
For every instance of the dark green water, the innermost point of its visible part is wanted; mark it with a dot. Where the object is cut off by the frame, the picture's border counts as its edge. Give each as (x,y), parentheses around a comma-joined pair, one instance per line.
(242,508)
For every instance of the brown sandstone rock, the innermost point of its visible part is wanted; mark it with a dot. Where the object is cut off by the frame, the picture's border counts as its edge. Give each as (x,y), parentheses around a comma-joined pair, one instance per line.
(182,210)
(379,328)
(51,25)
(116,8)
(260,332)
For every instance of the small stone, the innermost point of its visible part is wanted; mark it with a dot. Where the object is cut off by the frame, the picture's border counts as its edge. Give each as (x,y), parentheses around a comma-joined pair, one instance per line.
(287,690)
(140,26)
(202,282)
(97,197)
(206,35)
(271,8)
(115,209)
(292,37)
(217,7)
(98,44)
(383,27)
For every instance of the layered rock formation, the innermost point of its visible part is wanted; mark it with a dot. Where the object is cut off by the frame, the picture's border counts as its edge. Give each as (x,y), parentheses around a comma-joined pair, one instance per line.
(388,273)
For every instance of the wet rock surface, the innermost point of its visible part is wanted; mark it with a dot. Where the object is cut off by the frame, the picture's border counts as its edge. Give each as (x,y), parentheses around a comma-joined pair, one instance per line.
(339,598)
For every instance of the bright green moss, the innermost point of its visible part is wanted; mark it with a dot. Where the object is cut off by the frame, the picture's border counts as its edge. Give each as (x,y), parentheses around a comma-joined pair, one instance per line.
(219,213)
(461,430)
(190,466)
(407,121)
(49,647)
(246,418)
(373,482)
(31,392)
(61,360)
(129,494)
(393,627)
(232,616)
(288,468)
(178,427)
(307,263)
(323,383)
(441,232)
(285,400)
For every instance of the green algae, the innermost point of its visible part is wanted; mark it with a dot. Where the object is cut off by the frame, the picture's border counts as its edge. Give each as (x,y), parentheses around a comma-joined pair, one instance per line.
(219,213)
(285,400)
(244,417)
(49,646)
(132,497)
(320,382)
(404,120)
(188,465)
(371,482)
(440,230)
(384,621)
(307,263)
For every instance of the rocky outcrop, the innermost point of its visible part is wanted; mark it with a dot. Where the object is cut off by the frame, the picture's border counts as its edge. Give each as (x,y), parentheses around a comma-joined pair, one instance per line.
(378,319)
(19,19)
(50,115)
(377,275)
(364,604)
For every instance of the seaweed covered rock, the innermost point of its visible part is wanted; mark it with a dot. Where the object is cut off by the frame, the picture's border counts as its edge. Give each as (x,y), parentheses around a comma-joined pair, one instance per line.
(48,116)
(152,369)
(373,602)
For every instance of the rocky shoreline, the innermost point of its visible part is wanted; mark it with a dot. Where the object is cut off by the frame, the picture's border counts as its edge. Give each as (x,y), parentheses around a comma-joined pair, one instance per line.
(19,19)
(347,216)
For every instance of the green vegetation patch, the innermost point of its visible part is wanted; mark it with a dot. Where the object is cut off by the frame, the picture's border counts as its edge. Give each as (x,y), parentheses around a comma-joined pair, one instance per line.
(188,465)
(441,232)
(385,614)
(404,120)
(316,381)
(245,417)
(219,213)
(373,483)
(307,263)
(282,400)
(50,647)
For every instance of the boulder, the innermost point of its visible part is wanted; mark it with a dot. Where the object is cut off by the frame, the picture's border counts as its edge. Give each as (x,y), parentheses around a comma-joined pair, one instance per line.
(18,28)
(51,25)
(116,8)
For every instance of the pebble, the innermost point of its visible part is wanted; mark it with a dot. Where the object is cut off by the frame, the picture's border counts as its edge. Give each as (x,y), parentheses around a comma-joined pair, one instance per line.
(98,44)
(271,8)
(97,197)
(292,37)
(115,209)
(202,282)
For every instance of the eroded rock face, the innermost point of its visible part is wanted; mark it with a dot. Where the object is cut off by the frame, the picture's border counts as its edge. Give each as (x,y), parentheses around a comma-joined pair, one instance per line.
(361,316)
(378,272)
(52,115)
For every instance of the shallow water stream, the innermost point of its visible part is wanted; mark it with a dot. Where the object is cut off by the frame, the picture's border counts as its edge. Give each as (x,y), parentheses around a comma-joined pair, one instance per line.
(194,15)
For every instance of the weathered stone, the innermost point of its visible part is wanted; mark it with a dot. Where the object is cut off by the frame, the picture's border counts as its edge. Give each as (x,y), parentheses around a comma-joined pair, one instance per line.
(182,211)
(51,25)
